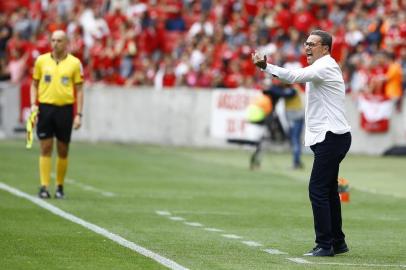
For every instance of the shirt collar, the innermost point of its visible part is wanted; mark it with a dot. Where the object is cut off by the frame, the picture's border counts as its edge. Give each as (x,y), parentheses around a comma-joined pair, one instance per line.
(323,57)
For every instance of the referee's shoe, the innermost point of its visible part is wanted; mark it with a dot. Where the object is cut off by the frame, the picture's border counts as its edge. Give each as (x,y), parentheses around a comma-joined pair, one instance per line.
(59,192)
(43,193)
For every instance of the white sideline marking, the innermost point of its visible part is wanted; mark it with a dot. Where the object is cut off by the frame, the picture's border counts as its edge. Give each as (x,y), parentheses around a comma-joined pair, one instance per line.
(303,261)
(90,188)
(298,260)
(213,230)
(99,230)
(163,213)
(194,224)
(231,236)
(252,243)
(206,212)
(176,218)
(275,251)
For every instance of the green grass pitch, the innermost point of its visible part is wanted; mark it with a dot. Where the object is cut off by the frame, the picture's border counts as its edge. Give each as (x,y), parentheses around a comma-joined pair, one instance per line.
(120,187)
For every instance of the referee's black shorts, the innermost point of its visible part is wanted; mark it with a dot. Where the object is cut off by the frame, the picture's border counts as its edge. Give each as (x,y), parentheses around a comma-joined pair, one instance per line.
(55,121)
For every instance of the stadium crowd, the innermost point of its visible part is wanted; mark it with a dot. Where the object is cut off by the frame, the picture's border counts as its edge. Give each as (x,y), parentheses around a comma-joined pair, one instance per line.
(207,43)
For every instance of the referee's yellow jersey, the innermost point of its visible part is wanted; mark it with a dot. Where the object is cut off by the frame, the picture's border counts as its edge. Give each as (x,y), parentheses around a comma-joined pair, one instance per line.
(57,80)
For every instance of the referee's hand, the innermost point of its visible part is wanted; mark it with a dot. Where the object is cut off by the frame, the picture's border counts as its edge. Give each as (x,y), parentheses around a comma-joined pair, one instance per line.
(34,107)
(77,121)
(34,110)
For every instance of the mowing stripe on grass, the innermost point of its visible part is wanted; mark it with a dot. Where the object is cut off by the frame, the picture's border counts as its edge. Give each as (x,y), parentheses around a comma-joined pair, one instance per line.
(374,191)
(90,188)
(87,187)
(303,261)
(362,189)
(99,230)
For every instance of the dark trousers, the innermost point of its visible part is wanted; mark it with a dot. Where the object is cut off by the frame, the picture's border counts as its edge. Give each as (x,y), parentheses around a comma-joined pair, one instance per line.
(323,188)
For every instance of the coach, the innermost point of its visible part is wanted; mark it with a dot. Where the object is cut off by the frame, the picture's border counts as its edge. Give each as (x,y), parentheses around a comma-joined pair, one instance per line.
(326,132)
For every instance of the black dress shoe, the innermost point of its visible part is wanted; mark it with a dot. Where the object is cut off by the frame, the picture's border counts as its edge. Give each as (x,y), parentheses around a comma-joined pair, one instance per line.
(340,248)
(320,252)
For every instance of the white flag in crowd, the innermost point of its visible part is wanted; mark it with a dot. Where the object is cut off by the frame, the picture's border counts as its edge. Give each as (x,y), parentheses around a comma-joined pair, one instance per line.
(375,109)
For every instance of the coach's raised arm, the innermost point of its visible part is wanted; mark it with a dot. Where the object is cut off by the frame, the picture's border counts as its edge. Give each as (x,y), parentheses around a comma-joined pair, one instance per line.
(326,132)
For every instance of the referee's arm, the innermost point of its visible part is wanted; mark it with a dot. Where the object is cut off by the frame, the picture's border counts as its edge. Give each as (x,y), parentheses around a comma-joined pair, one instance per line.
(34,94)
(77,121)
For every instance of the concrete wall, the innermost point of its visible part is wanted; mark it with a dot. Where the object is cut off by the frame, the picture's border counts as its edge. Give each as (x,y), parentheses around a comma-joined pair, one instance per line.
(9,109)
(173,117)
(180,117)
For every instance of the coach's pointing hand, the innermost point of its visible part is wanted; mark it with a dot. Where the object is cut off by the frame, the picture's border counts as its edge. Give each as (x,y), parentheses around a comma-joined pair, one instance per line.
(259,59)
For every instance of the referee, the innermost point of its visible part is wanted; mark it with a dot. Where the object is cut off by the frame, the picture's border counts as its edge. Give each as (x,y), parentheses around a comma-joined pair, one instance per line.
(56,77)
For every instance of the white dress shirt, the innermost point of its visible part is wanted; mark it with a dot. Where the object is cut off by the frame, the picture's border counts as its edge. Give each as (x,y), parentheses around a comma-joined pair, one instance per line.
(325,97)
